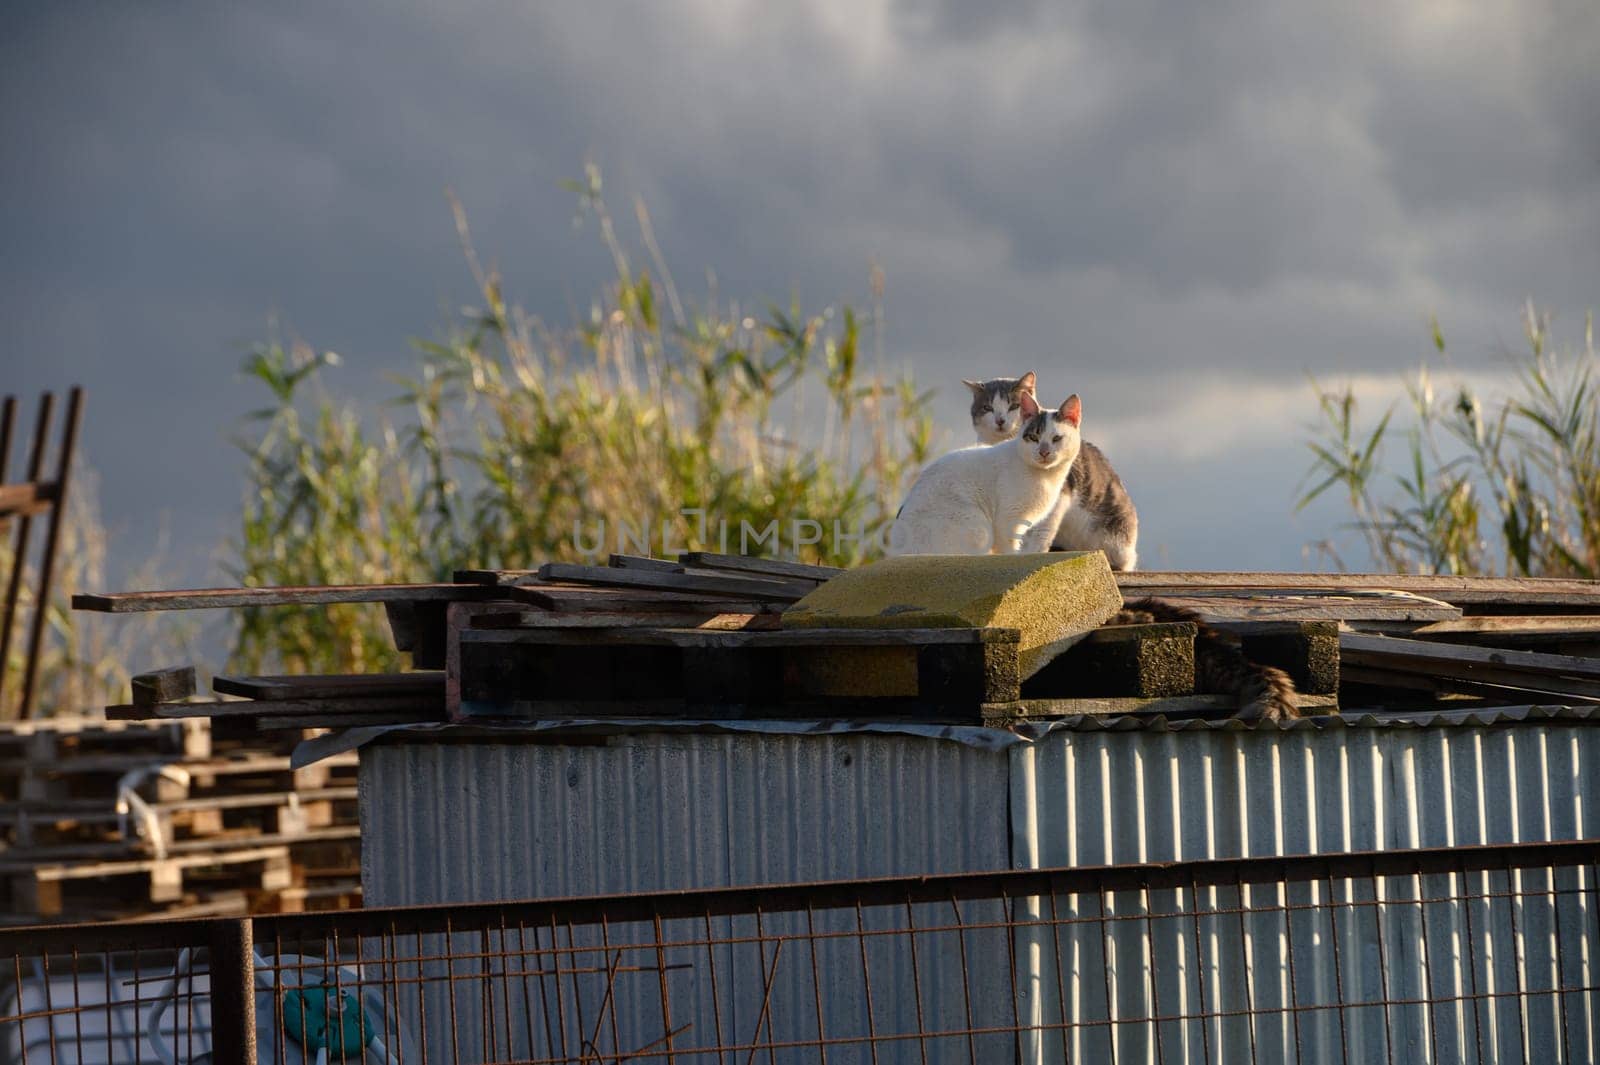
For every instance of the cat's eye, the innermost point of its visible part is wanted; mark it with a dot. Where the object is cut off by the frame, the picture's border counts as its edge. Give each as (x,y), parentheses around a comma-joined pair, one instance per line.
(1056,439)
(984,409)
(1030,436)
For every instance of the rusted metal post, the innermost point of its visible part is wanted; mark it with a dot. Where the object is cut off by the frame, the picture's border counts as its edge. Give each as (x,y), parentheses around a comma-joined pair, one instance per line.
(233,993)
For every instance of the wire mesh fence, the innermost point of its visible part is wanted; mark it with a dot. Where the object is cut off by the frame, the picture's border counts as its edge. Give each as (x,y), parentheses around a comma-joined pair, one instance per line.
(1477,954)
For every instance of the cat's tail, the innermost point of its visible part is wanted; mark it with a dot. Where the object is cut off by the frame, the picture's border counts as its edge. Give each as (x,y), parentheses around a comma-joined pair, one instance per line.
(1220,667)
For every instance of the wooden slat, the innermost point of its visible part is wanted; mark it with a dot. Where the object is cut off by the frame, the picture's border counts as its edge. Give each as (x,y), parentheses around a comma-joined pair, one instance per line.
(248,709)
(1456,590)
(17,500)
(1429,655)
(645,563)
(1215,605)
(834,709)
(1541,672)
(326,719)
(763,567)
(821,638)
(1171,706)
(336,686)
(163,686)
(1393,682)
(731,586)
(554,619)
(213,598)
(575,599)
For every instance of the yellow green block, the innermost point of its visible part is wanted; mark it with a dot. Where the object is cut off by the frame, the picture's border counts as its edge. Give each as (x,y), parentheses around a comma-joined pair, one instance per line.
(1053,599)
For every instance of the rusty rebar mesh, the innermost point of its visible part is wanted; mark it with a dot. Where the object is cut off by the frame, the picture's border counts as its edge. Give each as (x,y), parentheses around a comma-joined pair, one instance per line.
(1472,955)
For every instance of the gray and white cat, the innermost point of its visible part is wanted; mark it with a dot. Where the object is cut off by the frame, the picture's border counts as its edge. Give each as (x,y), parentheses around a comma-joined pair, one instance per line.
(1094,513)
(997,406)
(986,499)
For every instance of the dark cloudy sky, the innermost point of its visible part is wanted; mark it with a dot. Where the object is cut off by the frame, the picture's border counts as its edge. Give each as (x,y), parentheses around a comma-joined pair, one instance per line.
(1176,209)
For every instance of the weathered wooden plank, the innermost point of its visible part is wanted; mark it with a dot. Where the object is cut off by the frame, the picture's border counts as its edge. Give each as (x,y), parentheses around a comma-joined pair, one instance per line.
(324,686)
(213,598)
(645,563)
(163,686)
(1217,605)
(1575,625)
(1427,655)
(1560,674)
(292,722)
(574,599)
(1181,706)
(711,638)
(678,708)
(266,708)
(26,500)
(764,567)
(1456,590)
(605,576)
(1389,683)
(553,619)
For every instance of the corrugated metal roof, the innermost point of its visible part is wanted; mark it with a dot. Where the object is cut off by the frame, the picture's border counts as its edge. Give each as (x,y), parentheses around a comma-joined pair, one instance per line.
(312,750)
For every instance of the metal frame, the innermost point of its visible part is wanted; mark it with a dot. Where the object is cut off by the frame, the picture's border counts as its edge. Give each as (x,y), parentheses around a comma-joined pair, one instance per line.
(1258,959)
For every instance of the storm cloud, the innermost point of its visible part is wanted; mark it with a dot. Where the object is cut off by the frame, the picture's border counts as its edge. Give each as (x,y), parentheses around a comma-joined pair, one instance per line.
(1178,210)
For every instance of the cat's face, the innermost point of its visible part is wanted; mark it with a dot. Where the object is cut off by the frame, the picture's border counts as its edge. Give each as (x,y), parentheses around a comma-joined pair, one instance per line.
(997,406)
(1050,437)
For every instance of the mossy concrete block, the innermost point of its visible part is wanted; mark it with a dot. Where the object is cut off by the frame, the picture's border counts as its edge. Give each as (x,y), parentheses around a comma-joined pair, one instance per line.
(1052,599)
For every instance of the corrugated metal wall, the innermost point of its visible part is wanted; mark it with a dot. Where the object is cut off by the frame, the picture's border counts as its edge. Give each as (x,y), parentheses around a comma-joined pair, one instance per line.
(447,822)
(1089,798)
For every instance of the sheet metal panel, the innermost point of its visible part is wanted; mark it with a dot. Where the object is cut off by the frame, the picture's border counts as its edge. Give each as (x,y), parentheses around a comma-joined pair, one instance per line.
(1135,796)
(447,822)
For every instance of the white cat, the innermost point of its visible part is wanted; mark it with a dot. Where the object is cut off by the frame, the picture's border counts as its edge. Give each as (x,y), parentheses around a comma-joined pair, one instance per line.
(983,500)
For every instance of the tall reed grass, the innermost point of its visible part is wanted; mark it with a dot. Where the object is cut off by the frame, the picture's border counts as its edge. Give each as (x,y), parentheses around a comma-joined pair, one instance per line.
(508,442)
(1485,485)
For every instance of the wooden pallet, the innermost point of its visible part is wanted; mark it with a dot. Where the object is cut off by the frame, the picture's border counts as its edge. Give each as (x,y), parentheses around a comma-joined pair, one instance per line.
(47,889)
(935,674)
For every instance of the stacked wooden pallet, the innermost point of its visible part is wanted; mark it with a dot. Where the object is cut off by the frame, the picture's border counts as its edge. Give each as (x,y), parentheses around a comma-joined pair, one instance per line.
(103,818)
(700,637)
(1410,642)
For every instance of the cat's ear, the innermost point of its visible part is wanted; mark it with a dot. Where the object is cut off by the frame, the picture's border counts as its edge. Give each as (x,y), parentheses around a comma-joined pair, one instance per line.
(975,386)
(1071,410)
(1030,406)
(1025,383)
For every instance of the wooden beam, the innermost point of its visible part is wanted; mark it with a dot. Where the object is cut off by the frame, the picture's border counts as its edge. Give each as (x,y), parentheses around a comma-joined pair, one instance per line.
(27,499)
(213,598)
(1210,706)
(607,576)
(1457,590)
(336,686)
(163,686)
(575,599)
(762,567)
(1484,665)
(1218,605)
(268,708)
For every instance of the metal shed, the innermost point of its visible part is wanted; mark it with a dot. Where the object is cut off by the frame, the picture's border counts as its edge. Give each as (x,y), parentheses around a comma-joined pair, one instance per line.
(511,813)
